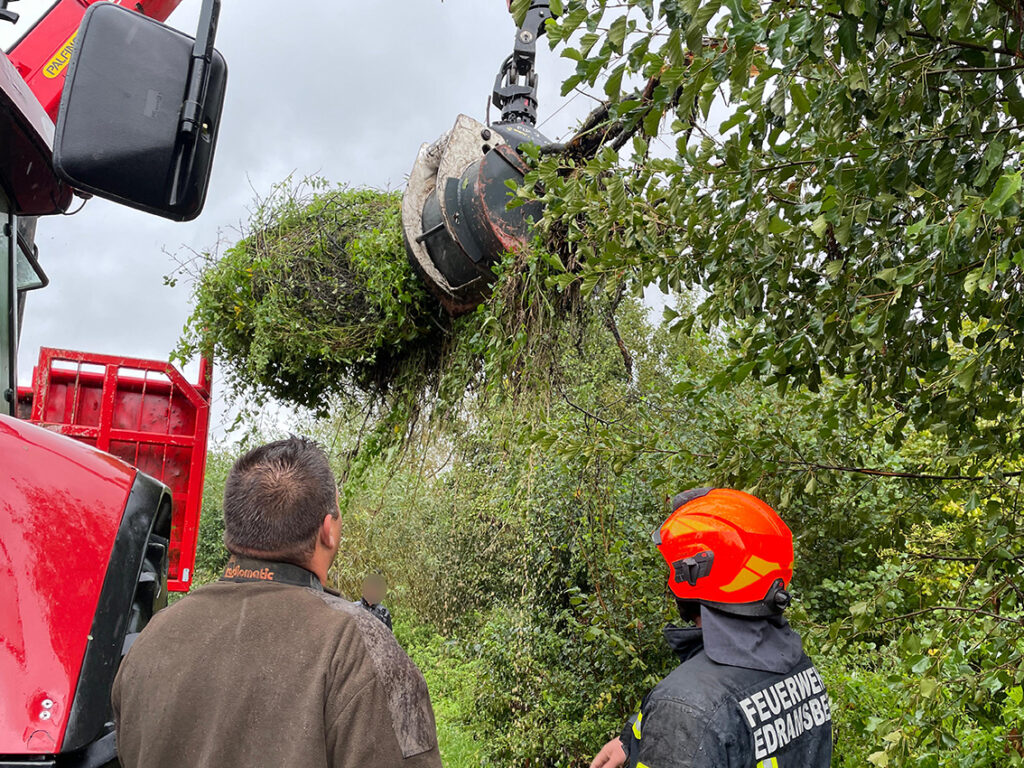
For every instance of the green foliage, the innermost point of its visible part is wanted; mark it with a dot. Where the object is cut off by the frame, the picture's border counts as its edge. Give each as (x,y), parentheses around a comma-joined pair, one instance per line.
(841,181)
(211,557)
(519,531)
(499,546)
(451,672)
(838,188)
(316,297)
(515,537)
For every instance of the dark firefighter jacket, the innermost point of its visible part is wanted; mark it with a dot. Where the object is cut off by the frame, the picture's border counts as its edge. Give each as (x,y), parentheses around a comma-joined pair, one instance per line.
(377,609)
(265,668)
(707,713)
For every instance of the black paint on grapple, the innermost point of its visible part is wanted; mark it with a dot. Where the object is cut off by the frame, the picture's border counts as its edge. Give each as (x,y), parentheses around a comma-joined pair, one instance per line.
(482,226)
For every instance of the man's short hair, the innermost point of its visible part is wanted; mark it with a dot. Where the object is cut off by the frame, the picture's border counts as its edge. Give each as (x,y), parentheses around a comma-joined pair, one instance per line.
(275,499)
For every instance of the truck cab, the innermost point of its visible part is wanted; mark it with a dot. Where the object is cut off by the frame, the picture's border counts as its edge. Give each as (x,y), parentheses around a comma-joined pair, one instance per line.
(102,457)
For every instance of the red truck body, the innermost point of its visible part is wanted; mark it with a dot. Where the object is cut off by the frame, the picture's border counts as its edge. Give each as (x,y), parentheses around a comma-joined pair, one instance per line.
(94,424)
(42,54)
(101,476)
(63,504)
(141,411)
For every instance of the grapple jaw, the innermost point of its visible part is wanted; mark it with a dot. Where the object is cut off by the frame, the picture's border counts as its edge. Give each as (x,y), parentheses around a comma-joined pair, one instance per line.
(455,216)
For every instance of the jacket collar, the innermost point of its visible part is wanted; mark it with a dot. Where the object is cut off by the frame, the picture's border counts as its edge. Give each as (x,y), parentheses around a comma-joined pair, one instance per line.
(765,644)
(685,642)
(242,570)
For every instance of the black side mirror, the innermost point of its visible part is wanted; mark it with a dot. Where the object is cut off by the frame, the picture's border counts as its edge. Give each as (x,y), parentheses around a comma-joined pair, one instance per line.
(140,111)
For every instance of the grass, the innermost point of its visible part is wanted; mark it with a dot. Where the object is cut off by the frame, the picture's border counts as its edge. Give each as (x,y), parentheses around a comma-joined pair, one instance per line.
(449,674)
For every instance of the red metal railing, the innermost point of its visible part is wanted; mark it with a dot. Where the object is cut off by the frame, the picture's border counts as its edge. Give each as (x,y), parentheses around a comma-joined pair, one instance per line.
(145,413)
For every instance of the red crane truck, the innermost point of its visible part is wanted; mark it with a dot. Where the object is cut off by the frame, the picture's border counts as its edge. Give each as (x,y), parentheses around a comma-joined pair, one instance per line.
(102,458)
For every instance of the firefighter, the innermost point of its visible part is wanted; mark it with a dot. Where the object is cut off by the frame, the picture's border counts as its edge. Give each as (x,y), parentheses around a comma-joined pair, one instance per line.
(745,693)
(372,599)
(267,667)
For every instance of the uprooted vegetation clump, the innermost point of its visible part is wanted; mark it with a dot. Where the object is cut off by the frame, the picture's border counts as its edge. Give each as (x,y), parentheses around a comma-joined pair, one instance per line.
(318,299)
(315,297)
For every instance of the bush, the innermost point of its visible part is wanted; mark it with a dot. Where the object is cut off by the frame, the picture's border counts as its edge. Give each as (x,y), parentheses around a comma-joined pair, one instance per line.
(317,295)
(451,674)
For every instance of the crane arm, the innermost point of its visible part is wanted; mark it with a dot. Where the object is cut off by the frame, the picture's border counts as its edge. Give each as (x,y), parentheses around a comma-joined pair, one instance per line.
(515,87)
(42,54)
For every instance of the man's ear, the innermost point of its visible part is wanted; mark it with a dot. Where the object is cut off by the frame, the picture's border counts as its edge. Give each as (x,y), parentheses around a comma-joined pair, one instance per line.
(329,531)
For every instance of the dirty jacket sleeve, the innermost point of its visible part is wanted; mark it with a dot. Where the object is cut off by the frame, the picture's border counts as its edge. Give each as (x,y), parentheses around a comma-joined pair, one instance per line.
(669,733)
(354,742)
(388,721)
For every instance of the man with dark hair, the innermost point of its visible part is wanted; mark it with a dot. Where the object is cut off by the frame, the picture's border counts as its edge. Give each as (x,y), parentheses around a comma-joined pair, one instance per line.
(372,599)
(267,667)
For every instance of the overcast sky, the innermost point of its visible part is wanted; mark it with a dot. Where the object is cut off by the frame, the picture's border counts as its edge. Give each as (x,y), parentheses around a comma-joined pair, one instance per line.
(345,89)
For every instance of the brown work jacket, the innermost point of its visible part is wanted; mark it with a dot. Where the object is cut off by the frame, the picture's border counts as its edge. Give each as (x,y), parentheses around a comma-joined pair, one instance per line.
(265,668)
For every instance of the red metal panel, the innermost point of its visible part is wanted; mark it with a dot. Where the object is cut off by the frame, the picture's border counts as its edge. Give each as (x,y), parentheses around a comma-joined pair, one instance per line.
(141,411)
(60,507)
(42,54)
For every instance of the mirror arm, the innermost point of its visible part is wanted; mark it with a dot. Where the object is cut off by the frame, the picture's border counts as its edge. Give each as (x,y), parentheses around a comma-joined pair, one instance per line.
(190,124)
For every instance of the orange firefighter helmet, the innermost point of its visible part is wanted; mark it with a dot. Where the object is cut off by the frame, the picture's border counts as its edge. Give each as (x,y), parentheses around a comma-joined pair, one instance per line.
(727,549)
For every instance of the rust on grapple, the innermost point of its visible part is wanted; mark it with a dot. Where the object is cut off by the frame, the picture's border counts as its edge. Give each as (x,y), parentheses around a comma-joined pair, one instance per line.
(503,228)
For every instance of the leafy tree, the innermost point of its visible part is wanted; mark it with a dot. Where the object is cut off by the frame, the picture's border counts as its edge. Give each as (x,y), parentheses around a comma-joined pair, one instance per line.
(839,185)
(211,557)
(841,181)
(515,536)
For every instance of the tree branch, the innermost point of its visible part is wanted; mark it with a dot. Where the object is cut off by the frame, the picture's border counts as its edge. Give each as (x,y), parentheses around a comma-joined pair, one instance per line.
(951,609)
(892,473)
(611,325)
